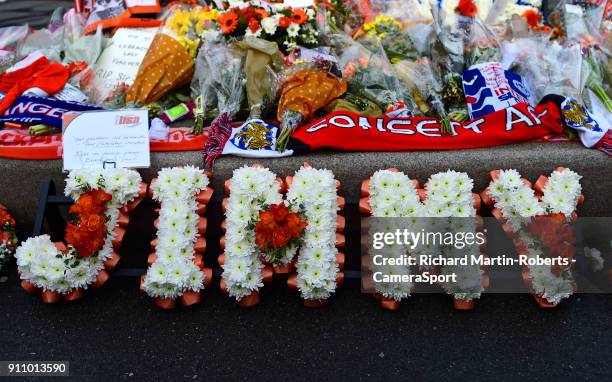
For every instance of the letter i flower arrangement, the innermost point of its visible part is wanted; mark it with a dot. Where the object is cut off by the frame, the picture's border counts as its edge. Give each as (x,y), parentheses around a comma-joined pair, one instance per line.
(536,218)
(176,268)
(8,239)
(264,234)
(392,194)
(103,201)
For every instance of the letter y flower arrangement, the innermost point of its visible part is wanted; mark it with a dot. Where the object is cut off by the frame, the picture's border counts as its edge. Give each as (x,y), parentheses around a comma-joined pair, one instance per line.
(536,218)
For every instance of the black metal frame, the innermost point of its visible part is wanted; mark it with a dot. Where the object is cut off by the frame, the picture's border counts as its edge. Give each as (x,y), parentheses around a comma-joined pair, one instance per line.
(48,209)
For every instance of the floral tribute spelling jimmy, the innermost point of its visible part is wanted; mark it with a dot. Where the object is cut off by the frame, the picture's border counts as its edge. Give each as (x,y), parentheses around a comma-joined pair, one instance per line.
(536,217)
(8,239)
(177,266)
(264,233)
(448,195)
(103,200)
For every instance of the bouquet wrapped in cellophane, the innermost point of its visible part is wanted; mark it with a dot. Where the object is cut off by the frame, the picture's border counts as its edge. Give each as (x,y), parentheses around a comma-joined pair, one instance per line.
(401,27)
(344,16)
(169,62)
(547,67)
(580,24)
(303,89)
(220,83)
(371,78)
(426,88)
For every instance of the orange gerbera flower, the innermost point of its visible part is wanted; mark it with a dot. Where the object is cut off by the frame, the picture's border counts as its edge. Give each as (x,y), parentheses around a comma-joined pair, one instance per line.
(299,16)
(228,22)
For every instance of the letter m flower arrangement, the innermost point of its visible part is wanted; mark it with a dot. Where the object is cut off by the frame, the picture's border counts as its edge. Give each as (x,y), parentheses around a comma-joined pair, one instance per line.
(264,234)
(536,217)
(444,205)
(103,199)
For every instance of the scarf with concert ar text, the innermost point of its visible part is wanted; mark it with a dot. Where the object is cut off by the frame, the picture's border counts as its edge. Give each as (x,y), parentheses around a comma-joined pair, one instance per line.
(348,131)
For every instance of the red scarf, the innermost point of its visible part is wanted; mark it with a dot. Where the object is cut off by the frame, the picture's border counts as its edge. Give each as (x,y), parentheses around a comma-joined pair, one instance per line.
(349,131)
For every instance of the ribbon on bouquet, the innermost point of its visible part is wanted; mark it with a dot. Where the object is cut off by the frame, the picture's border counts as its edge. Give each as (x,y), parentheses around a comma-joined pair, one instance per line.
(349,131)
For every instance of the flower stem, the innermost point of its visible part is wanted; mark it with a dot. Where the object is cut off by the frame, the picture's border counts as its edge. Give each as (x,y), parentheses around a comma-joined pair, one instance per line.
(603,96)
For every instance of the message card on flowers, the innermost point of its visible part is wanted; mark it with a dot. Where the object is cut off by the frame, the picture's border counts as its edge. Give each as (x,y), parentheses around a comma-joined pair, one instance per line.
(106,139)
(120,61)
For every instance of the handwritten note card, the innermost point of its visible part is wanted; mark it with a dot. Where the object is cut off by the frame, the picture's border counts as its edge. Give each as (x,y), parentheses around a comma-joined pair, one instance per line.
(120,61)
(117,138)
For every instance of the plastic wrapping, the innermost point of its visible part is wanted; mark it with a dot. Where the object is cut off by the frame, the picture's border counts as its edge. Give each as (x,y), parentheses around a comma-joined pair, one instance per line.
(482,46)
(370,74)
(219,76)
(78,47)
(422,81)
(10,39)
(48,41)
(547,67)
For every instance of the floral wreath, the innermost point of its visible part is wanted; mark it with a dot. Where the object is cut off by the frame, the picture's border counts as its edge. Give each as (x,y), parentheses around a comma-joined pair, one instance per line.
(306,221)
(103,200)
(8,238)
(176,268)
(391,193)
(528,214)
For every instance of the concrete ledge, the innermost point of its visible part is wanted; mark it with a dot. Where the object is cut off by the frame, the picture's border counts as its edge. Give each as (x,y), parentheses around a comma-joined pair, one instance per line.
(20,180)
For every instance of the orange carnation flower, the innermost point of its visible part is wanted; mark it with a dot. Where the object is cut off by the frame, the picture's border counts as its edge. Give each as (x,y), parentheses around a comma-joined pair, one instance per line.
(261,13)
(228,22)
(254,25)
(299,17)
(284,22)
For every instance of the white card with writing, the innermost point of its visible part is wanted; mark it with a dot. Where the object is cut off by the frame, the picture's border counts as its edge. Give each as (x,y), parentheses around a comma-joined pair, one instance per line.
(141,3)
(120,61)
(106,139)
(299,3)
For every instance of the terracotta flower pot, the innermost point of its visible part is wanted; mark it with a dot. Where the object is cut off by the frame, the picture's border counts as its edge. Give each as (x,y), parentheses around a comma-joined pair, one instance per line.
(463,304)
(267,273)
(250,300)
(50,297)
(74,294)
(101,279)
(165,303)
(190,298)
(208,277)
(292,282)
(111,263)
(29,287)
(389,304)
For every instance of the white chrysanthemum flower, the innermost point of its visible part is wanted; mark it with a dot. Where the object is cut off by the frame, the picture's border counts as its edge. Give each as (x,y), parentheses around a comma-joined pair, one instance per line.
(269,25)
(174,271)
